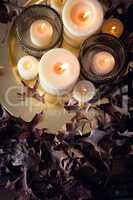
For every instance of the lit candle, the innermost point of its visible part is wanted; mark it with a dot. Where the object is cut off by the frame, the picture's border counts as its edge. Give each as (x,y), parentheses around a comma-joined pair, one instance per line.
(28,67)
(113,26)
(84,91)
(59,70)
(57,5)
(102,63)
(41,33)
(81,18)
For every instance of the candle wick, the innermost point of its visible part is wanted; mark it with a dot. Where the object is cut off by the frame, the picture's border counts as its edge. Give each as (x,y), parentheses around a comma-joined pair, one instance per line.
(60,68)
(27,66)
(85,15)
(113,27)
(106,60)
(83,91)
(41,28)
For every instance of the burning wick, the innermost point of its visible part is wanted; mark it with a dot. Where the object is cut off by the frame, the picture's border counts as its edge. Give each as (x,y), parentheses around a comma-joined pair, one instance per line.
(83,91)
(80,16)
(27,66)
(84,16)
(60,68)
(41,29)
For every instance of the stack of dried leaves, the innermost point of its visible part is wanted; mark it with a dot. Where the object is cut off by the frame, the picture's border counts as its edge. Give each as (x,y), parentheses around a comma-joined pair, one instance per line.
(36,164)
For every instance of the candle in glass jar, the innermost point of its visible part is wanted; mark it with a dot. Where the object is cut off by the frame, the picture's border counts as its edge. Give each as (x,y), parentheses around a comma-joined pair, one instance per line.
(113,26)
(81,18)
(103,63)
(84,91)
(28,67)
(41,33)
(59,70)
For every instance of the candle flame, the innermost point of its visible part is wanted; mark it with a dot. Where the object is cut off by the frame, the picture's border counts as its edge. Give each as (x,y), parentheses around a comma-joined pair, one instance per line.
(83,91)
(104,63)
(85,15)
(60,68)
(113,27)
(41,28)
(26,66)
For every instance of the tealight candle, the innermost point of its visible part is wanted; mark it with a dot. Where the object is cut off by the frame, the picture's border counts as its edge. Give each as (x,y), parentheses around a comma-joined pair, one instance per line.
(113,26)
(102,63)
(81,19)
(28,67)
(84,91)
(41,33)
(57,5)
(59,70)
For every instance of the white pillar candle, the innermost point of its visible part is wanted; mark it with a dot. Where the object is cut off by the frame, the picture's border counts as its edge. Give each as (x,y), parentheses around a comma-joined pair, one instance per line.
(103,63)
(81,19)
(84,91)
(41,33)
(28,67)
(57,5)
(59,70)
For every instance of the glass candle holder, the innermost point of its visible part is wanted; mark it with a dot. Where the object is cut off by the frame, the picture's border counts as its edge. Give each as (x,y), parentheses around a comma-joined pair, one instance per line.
(102,58)
(33,14)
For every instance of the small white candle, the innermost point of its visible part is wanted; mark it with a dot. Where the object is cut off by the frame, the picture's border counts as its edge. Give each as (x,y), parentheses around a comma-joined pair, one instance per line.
(103,63)
(57,5)
(81,19)
(41,33)
(28,67)
(59,70)
(84,91)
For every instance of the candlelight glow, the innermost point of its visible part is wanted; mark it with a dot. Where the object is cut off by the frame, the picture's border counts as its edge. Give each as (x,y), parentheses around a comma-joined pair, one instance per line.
(41,28)
(113,26)
(27,66)
(84,16)
(103,63)
(83,91)
(80,15)
(60,68)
